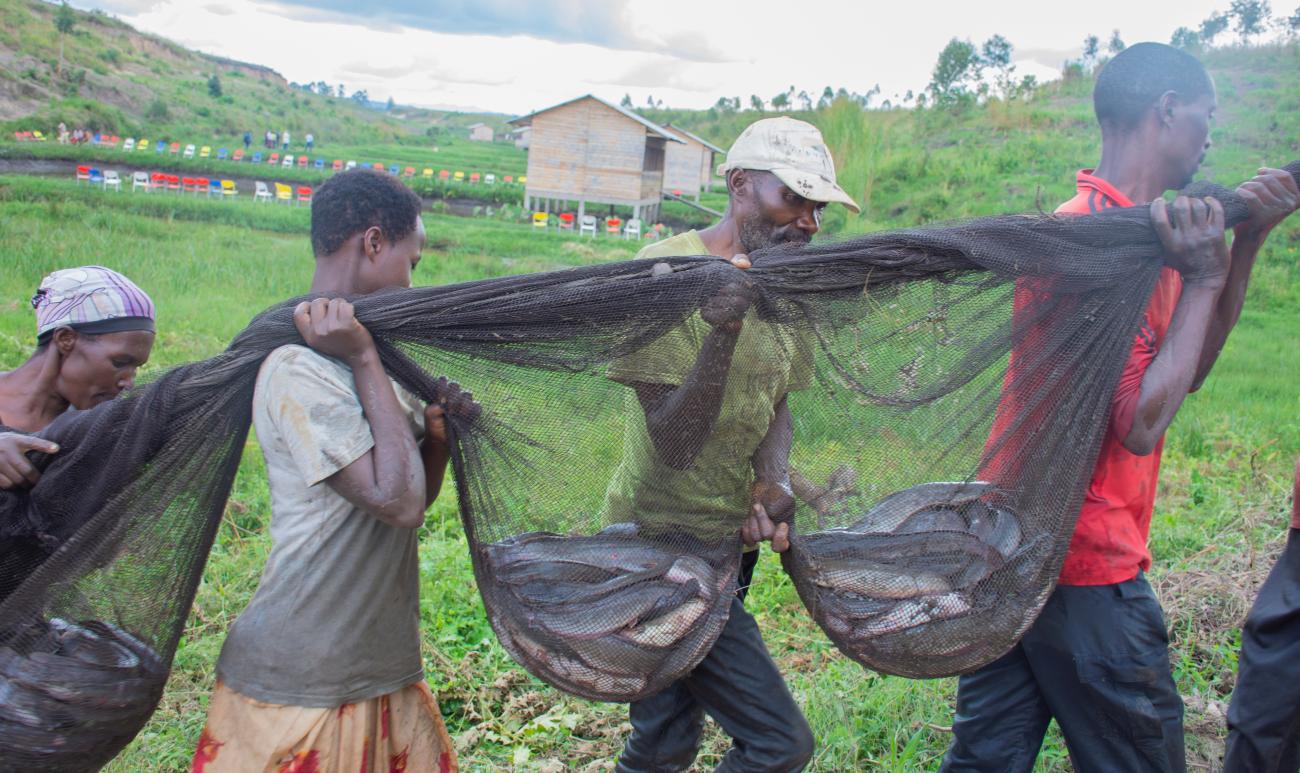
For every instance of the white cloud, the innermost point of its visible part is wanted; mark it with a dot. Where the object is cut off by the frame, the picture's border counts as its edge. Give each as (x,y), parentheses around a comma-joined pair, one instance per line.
(698,51)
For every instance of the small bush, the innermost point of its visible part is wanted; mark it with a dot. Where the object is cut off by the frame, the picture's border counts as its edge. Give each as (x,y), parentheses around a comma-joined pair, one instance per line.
(73,80)
(157,112)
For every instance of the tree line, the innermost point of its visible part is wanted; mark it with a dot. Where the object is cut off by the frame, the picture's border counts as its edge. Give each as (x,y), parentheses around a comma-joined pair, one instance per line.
(959,75)
(966,73)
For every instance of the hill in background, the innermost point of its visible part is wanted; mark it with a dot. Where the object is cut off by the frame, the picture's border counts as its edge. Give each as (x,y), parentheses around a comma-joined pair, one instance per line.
(905,166)
(118,79)
(912,166)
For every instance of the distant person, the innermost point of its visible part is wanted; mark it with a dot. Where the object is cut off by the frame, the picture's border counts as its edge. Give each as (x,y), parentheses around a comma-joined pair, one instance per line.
(284,139)
(732,474)
(322,670)
(270,139)
(310,141)
(63,133)
(1264,716)
(248,141)
(1097,658)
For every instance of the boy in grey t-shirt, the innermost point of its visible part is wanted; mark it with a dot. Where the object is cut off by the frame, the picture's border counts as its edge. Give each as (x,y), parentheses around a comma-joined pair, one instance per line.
(323,668)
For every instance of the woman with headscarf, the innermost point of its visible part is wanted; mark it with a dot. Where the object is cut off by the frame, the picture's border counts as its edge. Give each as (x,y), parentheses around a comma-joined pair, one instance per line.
(94,329)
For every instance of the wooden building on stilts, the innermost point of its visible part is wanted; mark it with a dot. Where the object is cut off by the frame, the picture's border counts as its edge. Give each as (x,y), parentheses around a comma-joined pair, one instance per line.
(688,167)
(589,152)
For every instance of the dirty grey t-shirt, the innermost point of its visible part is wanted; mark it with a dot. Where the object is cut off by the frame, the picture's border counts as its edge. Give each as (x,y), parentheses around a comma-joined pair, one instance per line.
(336,616)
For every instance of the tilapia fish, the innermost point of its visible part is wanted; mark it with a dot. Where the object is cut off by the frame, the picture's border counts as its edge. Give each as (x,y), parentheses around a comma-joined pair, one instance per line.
(599,615)
(912,560)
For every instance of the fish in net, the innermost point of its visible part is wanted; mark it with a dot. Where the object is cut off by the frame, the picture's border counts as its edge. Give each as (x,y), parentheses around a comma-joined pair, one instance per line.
(75,693)
(937,478)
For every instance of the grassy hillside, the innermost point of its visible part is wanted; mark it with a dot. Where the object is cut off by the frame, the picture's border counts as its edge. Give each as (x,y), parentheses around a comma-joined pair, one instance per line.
(117,79)
(1219,518)
(914,166)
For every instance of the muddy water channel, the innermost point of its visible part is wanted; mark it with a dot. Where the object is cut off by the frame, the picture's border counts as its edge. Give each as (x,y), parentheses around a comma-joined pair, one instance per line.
(54,168)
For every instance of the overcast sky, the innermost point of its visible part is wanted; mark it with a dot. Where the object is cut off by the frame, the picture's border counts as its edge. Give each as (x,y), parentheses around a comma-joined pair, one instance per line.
(513,56)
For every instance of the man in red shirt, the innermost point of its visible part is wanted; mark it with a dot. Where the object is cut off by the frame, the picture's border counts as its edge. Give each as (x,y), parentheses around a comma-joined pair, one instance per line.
(1097,657)
(1264,717)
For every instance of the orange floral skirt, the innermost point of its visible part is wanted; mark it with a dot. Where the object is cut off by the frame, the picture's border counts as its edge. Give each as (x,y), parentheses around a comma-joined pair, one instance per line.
(401,731)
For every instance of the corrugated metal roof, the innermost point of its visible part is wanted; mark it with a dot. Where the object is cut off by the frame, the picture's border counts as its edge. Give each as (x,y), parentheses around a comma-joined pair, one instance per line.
(698,139)
(649,125)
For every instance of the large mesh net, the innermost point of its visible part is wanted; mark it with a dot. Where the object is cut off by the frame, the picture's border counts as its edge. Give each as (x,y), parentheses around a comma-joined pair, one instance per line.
(938,450)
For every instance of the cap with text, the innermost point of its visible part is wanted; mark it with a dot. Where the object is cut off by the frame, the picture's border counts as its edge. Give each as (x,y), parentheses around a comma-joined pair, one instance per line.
(795,152)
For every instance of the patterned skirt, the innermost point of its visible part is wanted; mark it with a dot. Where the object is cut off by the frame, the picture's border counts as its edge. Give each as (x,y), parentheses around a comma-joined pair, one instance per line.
(401,731)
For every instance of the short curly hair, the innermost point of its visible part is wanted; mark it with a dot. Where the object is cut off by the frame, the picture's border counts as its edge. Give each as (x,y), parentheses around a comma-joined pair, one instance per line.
(352,201)
(1131,83)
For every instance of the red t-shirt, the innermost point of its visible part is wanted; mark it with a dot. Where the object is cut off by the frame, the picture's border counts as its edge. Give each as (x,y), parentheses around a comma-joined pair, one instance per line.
(1110,538)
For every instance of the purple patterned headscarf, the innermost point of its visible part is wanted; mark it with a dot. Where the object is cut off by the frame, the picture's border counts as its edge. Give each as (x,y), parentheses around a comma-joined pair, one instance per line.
(91,299)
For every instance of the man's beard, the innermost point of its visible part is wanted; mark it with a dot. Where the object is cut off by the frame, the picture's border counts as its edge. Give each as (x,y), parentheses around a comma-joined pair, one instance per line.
(759,232)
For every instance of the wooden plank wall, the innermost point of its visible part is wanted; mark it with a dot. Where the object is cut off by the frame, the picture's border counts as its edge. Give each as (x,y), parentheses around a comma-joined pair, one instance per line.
(585,151)
(706,170)
(682,166)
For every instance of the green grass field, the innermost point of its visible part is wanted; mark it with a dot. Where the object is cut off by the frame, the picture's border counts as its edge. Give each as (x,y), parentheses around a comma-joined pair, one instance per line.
(453,155)
(1219,519)
(457,155)
(1224,492)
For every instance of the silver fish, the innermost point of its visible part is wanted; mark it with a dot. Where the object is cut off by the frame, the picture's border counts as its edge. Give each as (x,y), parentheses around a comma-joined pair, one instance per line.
(81,643)
(552,571)
(624,529)
(835,624)
(685,592)
(854,607)
(57,743)
(894,509)
(38,668)
(912,613)
(614,554)
(941,552)
(19,705)
(547,592)
(616,655)
(975,571)
(570,670)
(665,630)
(604,616)
(699,637)
(945,638)
(933,519)
(881,582)
(688,568)
(996,526)
(148,656)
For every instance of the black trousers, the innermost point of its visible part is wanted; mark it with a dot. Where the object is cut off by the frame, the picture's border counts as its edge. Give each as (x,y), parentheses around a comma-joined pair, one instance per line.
(740,687)
(1264,716)
(1096,660)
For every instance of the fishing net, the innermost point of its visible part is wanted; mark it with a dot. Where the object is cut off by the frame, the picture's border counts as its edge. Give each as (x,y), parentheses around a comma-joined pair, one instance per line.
(936,475)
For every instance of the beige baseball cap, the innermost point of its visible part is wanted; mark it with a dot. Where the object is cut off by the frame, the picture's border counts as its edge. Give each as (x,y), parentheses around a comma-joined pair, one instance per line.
(795,152)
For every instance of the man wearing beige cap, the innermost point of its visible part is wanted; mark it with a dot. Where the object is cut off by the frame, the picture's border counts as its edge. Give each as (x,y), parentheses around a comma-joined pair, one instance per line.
(712,455)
